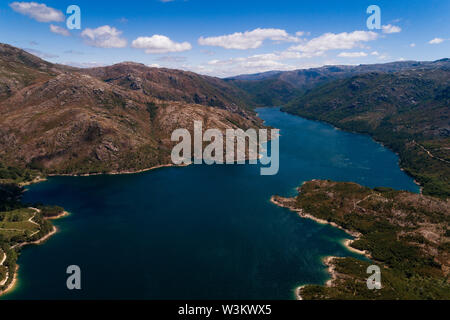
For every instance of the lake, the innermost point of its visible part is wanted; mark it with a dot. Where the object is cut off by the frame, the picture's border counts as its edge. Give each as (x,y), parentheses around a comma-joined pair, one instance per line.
(202,232)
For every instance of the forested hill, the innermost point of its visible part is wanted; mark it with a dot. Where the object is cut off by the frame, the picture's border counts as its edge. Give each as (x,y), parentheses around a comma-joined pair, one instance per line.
(409,111)
(280,87)
(60,119)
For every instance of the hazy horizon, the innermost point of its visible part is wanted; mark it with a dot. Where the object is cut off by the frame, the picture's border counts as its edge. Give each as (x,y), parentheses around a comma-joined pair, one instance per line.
(228,38)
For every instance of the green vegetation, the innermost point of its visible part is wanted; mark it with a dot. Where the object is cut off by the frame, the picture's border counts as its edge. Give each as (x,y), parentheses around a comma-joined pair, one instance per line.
(19,224)
(352,285)
(23,225)
(121,117)
(406,235)
(9,174)
(406,111)
(50,211)
(152,109)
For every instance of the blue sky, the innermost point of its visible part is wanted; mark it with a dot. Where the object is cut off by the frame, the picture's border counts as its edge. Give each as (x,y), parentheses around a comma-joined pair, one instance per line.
(224,38)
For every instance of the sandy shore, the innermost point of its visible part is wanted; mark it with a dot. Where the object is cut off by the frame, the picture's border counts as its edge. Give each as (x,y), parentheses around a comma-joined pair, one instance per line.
(331,269)
(303,214)
(420,186)
(114,173)
(348,242)
(298,290)
(12,284)
(39,241)
(2,260)
(40,179)
(35,180)
(59,216)
(3,255)
(327,260)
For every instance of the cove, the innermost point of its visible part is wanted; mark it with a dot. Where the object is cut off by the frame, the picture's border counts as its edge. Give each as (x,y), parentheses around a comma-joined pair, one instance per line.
(201,232)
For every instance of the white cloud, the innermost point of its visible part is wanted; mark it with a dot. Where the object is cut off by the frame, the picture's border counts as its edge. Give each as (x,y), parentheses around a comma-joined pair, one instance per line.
(252,64)
(412,45)
(59,30)
(160,44)
(375,53)
(436,41)
(289,59)
(352,54)
(391,29)
(38,11)
(247,40)
(104,37)
(244,65)
(332,41)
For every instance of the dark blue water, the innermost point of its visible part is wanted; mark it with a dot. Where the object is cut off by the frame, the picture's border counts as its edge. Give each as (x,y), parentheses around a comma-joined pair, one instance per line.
(205,232)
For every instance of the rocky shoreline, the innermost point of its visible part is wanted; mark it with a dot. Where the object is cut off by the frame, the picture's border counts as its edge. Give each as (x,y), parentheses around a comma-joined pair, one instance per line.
(23,244)
(289,203)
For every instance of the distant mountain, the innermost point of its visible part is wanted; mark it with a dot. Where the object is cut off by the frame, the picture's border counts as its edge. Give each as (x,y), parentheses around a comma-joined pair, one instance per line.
(60,119)
(257,76)
(268,92)
(278,88)
(408,110)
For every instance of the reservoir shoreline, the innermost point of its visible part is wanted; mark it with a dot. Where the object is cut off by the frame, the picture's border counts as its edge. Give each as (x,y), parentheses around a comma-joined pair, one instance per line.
(40,241)
(327,261)
(287,180)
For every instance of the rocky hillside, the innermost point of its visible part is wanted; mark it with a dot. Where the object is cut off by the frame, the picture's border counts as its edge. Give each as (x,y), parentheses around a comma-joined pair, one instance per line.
(407,110)
(64,120)
(174,85)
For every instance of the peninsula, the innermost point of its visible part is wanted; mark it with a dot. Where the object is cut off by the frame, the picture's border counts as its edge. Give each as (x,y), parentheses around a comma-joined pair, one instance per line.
(407,235)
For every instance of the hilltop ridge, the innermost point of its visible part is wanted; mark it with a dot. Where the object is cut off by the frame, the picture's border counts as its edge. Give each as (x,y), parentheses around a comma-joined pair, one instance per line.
(63,120)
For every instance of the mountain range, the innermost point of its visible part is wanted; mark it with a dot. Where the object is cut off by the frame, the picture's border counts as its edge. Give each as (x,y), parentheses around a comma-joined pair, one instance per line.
(65,120)
(406,110)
